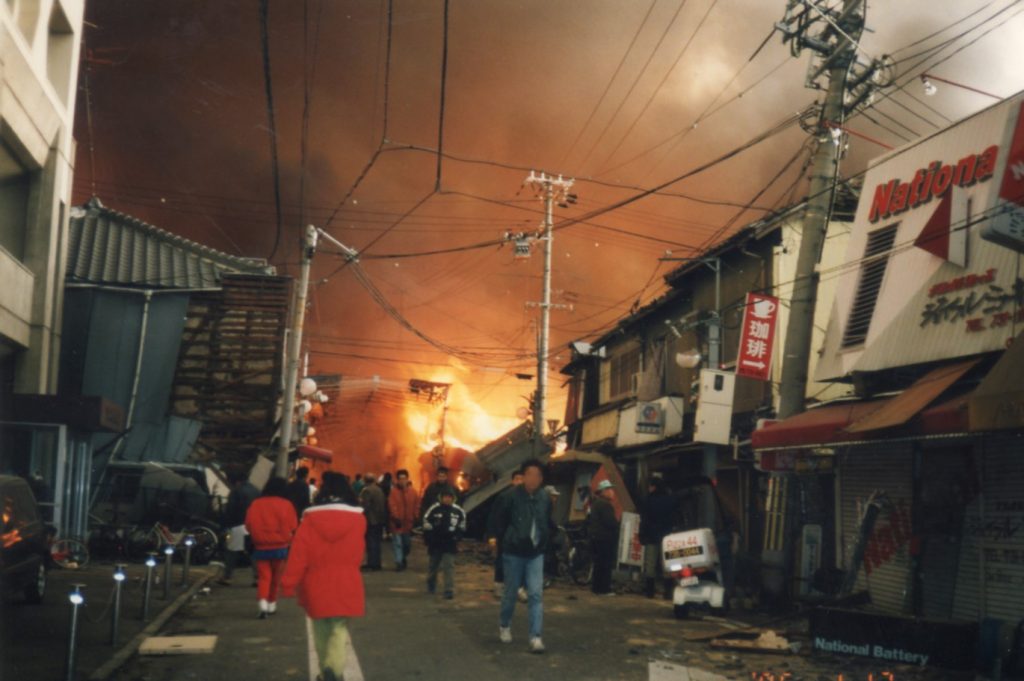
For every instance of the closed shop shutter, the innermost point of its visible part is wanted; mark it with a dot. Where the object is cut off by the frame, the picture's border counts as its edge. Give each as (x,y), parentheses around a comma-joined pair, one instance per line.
(948,482)
(993,547)
(885,573)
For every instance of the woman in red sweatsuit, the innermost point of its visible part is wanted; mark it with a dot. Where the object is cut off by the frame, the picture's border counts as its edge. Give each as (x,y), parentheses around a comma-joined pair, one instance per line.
(271,522)
(323,569)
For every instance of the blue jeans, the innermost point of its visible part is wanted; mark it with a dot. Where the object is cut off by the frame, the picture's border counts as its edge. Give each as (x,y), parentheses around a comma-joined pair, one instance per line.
(520,569)
(402,544)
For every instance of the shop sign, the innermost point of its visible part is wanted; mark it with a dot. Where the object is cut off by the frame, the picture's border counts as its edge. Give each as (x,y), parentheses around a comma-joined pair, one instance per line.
(757,341)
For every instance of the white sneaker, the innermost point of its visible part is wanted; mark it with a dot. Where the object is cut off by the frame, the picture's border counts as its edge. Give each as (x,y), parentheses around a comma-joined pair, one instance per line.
(536,645)
(505,634)
(523,596)
(272,607)
(264,608)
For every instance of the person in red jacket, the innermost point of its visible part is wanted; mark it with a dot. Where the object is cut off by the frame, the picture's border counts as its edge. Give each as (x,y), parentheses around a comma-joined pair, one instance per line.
(404,509)
(271,522)
(323,570)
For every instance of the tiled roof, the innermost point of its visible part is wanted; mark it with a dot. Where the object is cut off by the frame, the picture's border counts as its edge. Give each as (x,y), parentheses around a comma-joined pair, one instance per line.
(108,247)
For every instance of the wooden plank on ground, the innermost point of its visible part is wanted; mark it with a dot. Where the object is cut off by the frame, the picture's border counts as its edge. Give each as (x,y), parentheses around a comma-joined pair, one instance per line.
(178,645)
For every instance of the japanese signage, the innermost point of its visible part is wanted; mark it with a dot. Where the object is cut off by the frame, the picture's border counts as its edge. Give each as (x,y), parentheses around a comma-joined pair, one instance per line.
(754,359)
(976,302)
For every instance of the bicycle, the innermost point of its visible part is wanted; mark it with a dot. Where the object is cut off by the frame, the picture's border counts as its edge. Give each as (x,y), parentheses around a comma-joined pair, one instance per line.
(152,540)
(71,554)
(575,559)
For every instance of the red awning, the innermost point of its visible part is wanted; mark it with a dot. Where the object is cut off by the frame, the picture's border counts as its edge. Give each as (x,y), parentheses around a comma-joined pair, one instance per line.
(317,453)
(829,425)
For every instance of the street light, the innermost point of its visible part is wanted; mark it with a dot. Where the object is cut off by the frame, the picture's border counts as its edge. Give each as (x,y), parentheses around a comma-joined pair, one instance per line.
(190,541)
(150,565)
(77,599)
(168,557)
(115,619)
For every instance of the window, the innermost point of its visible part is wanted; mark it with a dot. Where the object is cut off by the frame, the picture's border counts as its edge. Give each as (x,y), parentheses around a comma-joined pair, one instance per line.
(623,368)
(15,184)
(59,48)
(872,272)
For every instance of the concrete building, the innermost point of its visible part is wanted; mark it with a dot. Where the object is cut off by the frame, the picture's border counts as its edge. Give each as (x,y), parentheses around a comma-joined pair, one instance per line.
(39,49)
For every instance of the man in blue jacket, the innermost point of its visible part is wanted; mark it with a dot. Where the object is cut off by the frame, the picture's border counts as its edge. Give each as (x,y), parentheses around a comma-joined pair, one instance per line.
(523,524)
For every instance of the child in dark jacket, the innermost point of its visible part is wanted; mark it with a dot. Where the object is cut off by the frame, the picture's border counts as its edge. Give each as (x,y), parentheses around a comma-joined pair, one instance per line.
(444,523)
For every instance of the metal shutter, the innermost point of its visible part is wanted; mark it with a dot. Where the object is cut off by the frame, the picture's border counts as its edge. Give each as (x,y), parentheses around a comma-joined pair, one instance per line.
(862,471)
(996,538)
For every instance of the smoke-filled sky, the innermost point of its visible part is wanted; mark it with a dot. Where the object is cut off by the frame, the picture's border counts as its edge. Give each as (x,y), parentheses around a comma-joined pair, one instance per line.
(599,89)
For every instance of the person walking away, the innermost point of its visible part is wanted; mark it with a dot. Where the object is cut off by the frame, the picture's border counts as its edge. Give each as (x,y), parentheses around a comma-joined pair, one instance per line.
(241,496)
(271,521)
(313,490)
(323,570)
(298,490)
(376,511)
(432,494)
(603,530)
(403,506)
(523,524)
(494,539)
(444,524)
(655,524)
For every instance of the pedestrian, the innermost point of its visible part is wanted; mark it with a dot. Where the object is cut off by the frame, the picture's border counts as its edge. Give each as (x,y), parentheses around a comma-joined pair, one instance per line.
(313,490)
(376,510)
(357,484)
(323,570)
(298,490)
(655,523)
(271,521)
(495,540)
(444,523)
(241,496)
(403,506)
(385,484)
(523,524)
(432,494)
(603,530)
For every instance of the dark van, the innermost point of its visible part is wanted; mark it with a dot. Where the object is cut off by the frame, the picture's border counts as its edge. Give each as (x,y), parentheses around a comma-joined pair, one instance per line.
(23,541)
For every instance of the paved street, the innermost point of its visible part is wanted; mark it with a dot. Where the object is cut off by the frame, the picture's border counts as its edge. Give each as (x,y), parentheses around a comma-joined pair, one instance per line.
(410,635)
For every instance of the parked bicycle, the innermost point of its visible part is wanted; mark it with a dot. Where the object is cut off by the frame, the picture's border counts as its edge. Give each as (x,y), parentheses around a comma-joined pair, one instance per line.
(153,540)
(575,559)
(69,553)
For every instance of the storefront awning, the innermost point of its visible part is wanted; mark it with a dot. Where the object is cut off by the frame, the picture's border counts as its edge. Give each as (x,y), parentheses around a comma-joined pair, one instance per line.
(830,425)
(315,453)
(998,403)
(910,402)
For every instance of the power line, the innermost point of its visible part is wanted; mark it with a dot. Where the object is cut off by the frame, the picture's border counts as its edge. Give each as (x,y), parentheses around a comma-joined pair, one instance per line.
(607,88)
(444,88)
(268,86)
(643,70)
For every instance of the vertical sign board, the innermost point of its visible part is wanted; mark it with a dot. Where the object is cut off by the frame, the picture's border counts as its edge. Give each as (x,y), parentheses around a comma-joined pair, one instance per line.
(631,551)
(1005,225)
(757,342)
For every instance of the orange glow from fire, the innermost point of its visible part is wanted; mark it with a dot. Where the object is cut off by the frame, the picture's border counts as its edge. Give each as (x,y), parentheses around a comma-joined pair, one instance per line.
(468,425)
(9,539)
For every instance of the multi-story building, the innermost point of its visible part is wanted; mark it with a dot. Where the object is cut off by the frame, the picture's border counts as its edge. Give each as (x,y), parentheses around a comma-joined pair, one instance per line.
(39,49)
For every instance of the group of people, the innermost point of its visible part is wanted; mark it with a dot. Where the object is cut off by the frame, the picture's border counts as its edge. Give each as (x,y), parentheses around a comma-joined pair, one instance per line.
(314,543)
(309,546)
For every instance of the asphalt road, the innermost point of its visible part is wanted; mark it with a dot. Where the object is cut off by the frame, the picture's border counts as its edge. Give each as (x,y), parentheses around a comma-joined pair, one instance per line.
(410,635)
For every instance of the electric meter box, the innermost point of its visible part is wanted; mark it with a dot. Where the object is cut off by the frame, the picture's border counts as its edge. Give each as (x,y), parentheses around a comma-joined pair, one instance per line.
(714,407)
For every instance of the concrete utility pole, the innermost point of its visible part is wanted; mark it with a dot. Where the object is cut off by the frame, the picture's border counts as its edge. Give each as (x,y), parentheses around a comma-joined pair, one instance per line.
(550,190)
(835,47)
(294,351)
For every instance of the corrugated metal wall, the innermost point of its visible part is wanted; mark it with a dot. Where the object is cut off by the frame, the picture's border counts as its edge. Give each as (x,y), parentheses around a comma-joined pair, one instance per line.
(948,480)
(886,570)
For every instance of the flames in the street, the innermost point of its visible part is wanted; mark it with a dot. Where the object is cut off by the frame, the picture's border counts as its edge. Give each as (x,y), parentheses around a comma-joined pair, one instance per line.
(468,424)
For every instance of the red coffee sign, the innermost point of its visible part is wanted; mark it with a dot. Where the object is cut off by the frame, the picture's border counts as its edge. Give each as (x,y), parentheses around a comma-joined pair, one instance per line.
(757,341)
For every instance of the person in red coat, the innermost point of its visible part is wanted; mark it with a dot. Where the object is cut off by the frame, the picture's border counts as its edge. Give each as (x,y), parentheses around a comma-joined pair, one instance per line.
(323,570)
(271,522)
(403,509)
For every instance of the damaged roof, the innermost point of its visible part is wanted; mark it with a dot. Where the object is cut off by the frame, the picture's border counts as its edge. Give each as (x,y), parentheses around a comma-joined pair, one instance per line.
(109,247)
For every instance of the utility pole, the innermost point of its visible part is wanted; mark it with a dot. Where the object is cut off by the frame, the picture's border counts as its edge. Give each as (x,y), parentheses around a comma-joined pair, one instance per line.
(291,375)
(834,42)
(550,190)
